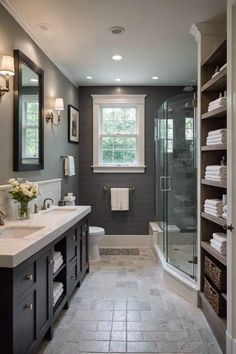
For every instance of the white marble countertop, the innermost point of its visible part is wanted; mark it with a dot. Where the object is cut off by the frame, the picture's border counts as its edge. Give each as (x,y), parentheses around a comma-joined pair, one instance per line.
(51,224)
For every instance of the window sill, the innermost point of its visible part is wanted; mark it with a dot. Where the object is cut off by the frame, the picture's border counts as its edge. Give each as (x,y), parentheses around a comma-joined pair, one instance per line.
(118,169)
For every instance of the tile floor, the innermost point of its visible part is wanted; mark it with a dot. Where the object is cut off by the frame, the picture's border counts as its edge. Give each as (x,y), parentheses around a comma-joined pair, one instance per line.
(123,306)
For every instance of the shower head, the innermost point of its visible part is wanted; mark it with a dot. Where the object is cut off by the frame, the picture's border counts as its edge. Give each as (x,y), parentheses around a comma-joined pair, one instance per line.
(188,89)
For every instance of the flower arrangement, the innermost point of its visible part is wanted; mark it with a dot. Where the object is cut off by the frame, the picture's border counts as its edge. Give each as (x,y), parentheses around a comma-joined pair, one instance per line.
(23,192)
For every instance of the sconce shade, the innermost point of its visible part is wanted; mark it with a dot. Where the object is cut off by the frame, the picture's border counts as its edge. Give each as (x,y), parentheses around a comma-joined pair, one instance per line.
(7,65)
(59,104)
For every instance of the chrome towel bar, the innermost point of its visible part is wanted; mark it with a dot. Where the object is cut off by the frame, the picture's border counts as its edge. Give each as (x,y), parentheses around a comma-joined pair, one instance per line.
(106,188)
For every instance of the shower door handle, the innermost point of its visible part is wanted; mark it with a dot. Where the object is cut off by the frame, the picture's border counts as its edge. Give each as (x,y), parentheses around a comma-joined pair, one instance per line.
(163,181)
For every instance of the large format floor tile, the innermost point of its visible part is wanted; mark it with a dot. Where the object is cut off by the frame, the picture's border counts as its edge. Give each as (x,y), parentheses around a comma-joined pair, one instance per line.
(124,306)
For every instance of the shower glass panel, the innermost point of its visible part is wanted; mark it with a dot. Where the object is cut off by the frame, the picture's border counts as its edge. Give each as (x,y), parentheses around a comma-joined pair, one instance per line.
(176,181)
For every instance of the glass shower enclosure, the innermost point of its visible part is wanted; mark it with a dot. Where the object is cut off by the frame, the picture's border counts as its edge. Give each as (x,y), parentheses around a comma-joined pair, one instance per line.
(176,181)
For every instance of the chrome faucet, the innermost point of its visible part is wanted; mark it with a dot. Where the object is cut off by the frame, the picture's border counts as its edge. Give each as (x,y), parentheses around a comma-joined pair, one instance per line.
(2,217)
(46,206)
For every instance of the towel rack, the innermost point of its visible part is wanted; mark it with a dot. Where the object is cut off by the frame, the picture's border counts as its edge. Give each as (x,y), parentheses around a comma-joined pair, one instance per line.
(106,189)
(64,157)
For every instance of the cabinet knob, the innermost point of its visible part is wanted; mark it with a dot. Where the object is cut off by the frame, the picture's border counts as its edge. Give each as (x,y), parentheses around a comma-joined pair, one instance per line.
(73,237)
(72,276)
(29,277)
(51,261)
(29,307)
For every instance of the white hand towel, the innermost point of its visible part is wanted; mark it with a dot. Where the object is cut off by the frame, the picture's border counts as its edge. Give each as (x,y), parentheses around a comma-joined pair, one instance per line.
(120,199)
(57,264)
(216,168)
(56,298)
(220,99)
(217,132)
(56,255)
(225,208)
(215,202)
(218,249)
(219,236)
(214,208)
(213,213)
(56,287)
(69,166)
(224,215)
(218,245)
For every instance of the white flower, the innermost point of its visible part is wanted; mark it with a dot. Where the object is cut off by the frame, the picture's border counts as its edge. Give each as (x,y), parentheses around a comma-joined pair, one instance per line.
(11,180)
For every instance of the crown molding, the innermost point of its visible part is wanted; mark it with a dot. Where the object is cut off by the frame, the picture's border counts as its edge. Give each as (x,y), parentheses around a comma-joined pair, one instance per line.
(207,28)
(15,14)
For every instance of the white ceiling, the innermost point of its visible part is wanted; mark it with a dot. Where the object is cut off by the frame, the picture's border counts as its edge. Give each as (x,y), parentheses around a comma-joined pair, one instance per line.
(156,41)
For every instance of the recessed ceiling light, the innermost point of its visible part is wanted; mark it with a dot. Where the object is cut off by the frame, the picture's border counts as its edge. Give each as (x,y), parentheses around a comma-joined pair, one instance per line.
(155,77)
(34,80)
(118,79)
(117,57)
(44,26)
(89,77)
(116,30)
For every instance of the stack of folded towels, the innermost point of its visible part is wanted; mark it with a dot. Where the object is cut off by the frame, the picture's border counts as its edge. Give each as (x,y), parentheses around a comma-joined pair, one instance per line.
(218,136)
(57,291)
(214,207)
(224,215)
(216,173)
(57,261)
(219,242)
(218,103)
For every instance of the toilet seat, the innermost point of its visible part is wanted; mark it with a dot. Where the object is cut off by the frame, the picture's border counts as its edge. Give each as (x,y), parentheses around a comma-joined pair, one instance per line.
(96,231)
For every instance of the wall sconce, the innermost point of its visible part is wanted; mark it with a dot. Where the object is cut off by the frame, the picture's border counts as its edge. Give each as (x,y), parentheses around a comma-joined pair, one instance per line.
(59,106)
(6,69)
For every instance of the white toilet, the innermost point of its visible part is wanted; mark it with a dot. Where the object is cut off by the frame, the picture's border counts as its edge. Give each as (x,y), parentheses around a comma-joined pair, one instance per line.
(96,234)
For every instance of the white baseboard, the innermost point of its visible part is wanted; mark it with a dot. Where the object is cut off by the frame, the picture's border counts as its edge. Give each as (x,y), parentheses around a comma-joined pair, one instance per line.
(123,241)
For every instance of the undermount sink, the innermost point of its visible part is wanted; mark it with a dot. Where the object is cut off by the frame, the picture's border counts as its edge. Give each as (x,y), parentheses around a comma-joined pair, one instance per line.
(60,210)
(17,232)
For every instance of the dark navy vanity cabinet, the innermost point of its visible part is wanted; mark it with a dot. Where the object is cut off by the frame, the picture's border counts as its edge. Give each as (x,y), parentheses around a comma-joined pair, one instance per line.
(27,313)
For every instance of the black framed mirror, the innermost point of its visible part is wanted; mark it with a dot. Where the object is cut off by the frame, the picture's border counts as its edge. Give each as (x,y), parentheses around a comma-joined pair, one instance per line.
(28,146)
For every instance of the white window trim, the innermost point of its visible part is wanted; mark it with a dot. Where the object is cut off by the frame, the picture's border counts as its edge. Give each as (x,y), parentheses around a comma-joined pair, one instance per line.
(98,101)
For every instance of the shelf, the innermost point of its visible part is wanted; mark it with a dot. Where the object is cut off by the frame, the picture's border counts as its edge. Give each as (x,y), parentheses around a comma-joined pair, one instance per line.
(217,83)
(207,247)
(214,183)
(218,221)
(216,113)
(218,324)
(58,271)
(214,147)
(217,56)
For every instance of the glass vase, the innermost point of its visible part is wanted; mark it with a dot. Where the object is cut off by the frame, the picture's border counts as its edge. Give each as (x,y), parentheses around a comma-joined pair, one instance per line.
(23,211)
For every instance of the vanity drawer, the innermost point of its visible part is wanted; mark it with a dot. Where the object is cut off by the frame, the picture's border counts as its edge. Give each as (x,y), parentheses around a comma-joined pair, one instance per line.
(73,278)
(26,278)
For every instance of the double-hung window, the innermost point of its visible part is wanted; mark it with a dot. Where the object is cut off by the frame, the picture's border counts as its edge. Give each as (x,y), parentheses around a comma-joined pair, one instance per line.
(118,133)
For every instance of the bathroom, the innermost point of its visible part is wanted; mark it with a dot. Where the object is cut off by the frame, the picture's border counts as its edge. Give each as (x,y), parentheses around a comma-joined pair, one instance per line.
(114,141)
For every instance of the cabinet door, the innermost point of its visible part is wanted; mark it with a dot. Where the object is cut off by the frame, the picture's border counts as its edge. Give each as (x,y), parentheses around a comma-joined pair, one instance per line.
(27,323)
(72,244)
(84,248)
(43,292)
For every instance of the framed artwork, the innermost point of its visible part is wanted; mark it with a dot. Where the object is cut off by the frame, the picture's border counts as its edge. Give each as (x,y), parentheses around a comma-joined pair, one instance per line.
(73,124)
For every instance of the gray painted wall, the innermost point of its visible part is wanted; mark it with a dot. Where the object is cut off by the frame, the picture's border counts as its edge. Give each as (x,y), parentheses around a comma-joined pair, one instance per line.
(142,201)
(12,36)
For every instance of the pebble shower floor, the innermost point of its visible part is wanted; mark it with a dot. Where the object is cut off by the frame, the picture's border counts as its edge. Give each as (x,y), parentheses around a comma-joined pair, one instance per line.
(125,306)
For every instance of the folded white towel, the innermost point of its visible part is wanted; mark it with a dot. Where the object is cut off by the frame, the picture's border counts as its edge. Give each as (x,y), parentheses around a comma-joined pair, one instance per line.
(56,298)
(120,199)
(69,166)
(224,215)
(57,264)
(215,202)
(56,255)
(223,251)
(216,177)
(215,107)
(216,138)
(213,213)
(214,208)
(218,100)
(222,244)
(225,208)
(217,132)
(57,286)
(215,142)
(219,236)
(216,168)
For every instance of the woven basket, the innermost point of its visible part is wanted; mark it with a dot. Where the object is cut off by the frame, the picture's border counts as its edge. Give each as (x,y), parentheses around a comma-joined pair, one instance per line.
(215,298)
(217,273)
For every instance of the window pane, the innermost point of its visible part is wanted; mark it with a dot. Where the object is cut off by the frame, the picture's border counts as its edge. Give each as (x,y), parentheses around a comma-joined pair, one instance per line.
(130,143)
(170,134)
(189,128)
(31,113)
(170,146)
(130,156)
(31,142)
(119,156)
(107,156)
(119,117)
(107,143)
(107,121)
(130,121)
(119,143)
